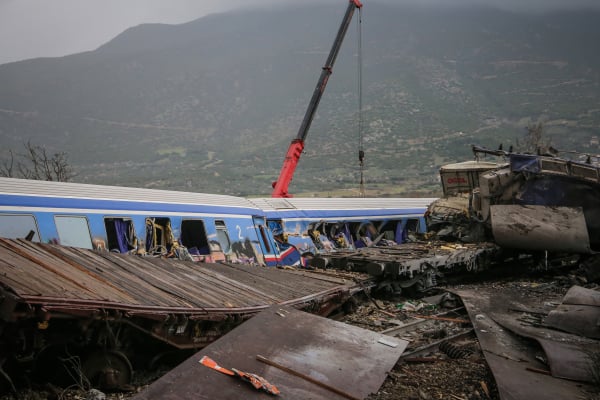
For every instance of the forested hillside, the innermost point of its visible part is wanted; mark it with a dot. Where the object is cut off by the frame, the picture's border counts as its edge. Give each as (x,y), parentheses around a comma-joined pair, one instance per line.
(212,105)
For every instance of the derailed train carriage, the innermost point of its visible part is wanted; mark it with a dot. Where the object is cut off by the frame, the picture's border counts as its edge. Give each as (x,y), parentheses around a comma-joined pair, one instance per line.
(315,226)
(85,272)
(198,226)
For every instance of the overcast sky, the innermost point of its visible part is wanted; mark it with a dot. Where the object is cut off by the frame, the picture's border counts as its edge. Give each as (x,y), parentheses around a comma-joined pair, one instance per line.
(51,28)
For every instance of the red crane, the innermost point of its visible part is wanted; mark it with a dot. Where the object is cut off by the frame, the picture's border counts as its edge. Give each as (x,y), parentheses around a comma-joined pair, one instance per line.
(280,186)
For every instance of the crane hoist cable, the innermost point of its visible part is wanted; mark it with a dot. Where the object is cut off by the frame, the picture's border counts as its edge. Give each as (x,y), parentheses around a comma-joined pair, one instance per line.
(361,152)
(280,186)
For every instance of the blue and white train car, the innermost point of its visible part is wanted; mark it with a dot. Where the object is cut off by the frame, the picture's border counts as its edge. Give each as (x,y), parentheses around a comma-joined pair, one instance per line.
(201,227)
(132,220)
(310,226)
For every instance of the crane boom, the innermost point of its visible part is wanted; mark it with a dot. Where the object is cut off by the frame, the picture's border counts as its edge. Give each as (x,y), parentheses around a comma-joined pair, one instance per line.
(280,187)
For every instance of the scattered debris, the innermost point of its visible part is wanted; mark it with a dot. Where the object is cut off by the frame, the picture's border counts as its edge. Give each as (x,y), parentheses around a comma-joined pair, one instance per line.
(257,381)
(423,370)
(514,359)
(316,349)
(67,312)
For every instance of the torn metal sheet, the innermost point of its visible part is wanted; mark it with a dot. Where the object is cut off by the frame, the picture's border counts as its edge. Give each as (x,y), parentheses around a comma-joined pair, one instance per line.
(514,362)
(166,298)
(341,356)
(567,356)
(535,227)
(580,295)
(411,264)
(579,313)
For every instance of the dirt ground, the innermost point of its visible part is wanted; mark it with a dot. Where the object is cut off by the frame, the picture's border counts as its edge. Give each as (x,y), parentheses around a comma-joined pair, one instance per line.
(439,375)
(458,373)
(426,371)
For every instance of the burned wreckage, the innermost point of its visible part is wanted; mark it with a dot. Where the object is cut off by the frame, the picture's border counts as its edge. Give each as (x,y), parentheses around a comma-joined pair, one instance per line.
(525,209)
(117,307)
(530,203)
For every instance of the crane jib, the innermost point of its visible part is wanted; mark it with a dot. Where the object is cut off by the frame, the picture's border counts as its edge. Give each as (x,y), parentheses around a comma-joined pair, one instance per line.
(280,187)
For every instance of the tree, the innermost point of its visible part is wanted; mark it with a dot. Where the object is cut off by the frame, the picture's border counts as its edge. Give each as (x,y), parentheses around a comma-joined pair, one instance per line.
(37,164)
(534,140)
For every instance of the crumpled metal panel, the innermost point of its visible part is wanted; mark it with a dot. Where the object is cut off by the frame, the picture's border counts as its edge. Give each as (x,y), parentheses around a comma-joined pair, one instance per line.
(46,279)
(534,227)
(579,313)
(55,275)
(495,314)
(342,356)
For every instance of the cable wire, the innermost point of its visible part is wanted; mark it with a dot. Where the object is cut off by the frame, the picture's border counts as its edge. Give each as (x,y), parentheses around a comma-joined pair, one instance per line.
(361,152)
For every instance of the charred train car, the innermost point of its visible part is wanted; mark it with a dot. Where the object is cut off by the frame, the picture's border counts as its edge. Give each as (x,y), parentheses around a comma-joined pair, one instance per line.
(540,205)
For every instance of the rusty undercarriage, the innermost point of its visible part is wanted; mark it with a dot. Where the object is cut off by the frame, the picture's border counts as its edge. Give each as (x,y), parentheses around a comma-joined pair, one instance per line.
(64,310)
(412,268)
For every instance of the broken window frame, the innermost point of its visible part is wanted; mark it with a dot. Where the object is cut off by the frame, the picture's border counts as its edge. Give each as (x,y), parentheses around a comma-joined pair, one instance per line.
(193,236)
(112,241)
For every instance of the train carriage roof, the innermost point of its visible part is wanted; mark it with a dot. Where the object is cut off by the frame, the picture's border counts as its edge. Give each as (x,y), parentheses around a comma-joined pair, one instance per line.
(311,207)
(35,193)
(31,192)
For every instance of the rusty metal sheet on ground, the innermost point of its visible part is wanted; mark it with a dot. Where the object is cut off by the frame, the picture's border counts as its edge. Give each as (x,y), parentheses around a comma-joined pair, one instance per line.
(538,227)
(344,357)
(513,359)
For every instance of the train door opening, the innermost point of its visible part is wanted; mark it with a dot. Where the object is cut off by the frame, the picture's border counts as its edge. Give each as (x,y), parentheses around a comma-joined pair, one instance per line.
(223,236)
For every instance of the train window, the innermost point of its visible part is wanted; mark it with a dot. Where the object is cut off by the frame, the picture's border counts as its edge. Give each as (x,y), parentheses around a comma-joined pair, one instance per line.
(275,226)
(318,234)
(263,235)
(412,225)
(223,236)
(19,227)
(390,230)
(120,234)
(193,236)
(73,231)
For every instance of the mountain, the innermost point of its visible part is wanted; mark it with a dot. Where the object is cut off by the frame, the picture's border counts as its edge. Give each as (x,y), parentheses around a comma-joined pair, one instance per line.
(212,105)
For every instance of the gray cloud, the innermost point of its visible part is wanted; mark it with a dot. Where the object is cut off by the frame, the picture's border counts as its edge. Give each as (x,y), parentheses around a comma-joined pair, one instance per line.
(42,28)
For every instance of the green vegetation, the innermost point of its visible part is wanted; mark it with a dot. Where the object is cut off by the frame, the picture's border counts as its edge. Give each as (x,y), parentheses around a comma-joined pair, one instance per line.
(212,105)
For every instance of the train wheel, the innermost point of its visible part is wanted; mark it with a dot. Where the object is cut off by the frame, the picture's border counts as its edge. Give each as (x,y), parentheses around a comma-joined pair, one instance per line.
(108,370)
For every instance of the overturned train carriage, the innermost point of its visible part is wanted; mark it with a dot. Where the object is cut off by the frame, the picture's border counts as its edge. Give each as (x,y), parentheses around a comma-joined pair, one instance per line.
(315,226)
(98,280)
(194,226)
(543,203)
(77,315)
(197,226)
